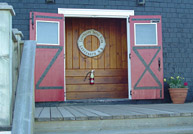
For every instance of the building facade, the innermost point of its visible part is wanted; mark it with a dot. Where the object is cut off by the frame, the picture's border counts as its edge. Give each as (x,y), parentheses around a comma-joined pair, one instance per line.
(177,31)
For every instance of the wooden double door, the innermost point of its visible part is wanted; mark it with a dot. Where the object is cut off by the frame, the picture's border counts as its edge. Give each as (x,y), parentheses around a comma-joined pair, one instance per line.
(61,67)
(111,77)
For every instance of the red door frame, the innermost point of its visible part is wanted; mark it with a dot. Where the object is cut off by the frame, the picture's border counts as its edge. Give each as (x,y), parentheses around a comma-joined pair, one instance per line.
(49,64)
(146,74)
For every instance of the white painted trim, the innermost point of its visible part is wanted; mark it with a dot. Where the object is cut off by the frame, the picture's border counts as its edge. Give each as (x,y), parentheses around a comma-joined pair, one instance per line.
(49,22)
(5,7)
(64,63)
(103,13)
(144,33)
(94,13)
(5,132)
(129,60)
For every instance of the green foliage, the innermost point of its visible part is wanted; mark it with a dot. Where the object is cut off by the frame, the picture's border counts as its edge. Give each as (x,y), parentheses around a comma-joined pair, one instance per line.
(176,82)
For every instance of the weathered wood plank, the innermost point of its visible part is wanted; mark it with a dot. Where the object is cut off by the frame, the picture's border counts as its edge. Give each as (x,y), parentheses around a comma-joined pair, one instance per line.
(88,46)
(68,43)
(146,111)
(106,51)
(55,114)
(95,43)
(66,114)
(88,43)
(124,43)
(173,108)
(98,72)
(101,61)
(117,111)
(102,115)
(113,58)
(92,95)
(78,115)
(97,88)
(98,80)
(45,114)
(118,45)
(90,115)
(82,56)
(75,50)
(38,110)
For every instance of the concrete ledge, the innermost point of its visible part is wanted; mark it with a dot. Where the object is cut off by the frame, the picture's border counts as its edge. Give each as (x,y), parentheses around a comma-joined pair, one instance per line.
(5,6)
(16,32)
(23,120)
(162,130)
(114,124)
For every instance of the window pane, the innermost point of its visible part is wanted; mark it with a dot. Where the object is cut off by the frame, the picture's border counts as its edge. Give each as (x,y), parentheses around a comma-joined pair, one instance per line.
(47,32)
(145,34)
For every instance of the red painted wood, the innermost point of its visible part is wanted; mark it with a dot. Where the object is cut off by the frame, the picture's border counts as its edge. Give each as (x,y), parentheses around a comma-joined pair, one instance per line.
(55,75)
(137,67)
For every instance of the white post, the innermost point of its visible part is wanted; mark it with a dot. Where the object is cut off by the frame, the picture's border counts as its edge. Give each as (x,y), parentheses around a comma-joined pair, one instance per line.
(6,13)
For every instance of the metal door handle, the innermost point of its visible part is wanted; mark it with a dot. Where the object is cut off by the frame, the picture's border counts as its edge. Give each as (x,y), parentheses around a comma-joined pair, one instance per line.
(159,64)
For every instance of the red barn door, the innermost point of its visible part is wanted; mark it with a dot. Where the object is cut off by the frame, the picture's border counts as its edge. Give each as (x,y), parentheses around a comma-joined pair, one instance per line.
(146,57)
(48,30)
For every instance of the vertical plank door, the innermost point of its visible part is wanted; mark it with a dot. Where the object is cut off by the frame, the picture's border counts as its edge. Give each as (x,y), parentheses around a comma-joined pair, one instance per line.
(110,66)
(146,57)
(48,30)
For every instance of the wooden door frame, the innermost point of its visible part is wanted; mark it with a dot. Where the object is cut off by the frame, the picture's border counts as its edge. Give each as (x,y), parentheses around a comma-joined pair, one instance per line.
(100,13)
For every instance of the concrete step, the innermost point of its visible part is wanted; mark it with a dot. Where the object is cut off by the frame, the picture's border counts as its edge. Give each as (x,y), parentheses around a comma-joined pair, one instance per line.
(169,125)
(169,130)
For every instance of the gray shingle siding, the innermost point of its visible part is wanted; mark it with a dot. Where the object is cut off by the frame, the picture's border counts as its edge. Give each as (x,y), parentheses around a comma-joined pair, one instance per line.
(177,26)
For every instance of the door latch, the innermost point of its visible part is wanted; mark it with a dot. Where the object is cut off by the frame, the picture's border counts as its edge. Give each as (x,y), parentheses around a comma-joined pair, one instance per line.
(159,64)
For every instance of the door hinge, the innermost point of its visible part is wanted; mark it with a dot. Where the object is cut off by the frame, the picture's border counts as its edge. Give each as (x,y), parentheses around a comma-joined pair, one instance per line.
(130,56)
(32,20)
(129,20)
(131,92)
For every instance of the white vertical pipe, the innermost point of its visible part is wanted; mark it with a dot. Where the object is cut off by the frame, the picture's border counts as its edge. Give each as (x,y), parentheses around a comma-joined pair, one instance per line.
(128,58)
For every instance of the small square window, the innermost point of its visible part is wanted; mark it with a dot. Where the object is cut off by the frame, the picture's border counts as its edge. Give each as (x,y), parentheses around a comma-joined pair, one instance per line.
(145,34)
(47,33)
